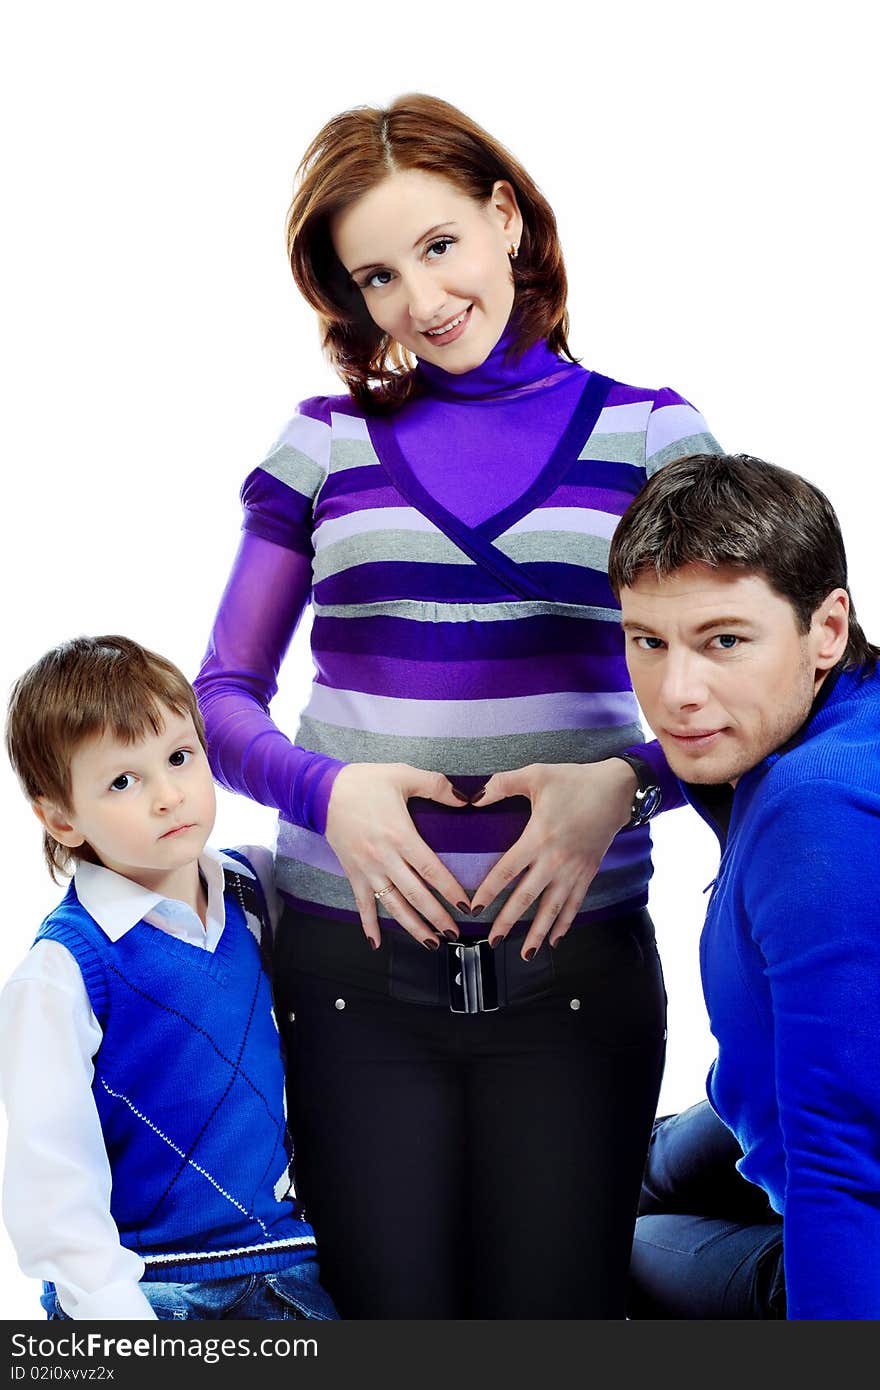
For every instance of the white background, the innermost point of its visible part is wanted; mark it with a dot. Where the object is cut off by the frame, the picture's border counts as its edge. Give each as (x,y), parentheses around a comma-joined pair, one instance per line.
(713,170)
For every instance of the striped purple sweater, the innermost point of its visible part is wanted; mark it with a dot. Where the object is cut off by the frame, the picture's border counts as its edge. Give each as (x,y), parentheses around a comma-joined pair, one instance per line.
(446,634)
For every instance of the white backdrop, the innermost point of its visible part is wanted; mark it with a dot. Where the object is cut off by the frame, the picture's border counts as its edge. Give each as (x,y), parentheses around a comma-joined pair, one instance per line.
(713,171)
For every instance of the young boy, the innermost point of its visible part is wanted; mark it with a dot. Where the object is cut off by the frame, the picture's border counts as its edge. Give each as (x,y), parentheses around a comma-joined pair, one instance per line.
(147,1170)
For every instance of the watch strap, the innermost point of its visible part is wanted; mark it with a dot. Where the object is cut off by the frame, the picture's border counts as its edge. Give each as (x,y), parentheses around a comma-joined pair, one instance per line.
(647,796)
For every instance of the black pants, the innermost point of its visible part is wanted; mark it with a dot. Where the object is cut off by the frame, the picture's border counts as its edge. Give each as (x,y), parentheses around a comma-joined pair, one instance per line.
(472,1165)
(708,1244)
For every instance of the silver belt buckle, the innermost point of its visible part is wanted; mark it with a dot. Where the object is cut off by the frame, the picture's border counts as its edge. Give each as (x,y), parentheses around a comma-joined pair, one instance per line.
(473,984)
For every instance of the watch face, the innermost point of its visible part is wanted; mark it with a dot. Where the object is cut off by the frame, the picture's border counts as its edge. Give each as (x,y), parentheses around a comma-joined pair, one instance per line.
(646,802)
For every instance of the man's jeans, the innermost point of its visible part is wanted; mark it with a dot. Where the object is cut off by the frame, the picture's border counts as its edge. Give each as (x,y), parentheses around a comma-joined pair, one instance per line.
(285,1293)
(707,1243)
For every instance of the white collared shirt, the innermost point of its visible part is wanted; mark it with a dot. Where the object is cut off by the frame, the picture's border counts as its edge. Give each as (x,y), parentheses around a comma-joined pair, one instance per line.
(56,1186)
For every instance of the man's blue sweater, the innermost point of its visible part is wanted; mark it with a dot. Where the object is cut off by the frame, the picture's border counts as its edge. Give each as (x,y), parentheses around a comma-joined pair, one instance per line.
(790,958)
(189,1086)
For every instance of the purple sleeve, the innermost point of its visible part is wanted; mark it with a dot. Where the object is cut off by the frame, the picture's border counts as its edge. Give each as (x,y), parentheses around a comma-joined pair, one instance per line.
(670,788)
(675,429)
(262,604)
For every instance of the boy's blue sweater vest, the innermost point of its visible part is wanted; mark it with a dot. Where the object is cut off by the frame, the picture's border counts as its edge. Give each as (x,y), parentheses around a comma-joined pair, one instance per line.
(189,1086)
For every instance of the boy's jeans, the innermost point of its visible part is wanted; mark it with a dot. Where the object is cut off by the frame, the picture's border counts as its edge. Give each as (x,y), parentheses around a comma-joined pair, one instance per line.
(284,1293)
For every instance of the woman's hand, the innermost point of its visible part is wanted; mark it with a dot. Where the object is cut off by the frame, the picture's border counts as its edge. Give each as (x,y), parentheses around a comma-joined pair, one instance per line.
(577,809)
(370,830)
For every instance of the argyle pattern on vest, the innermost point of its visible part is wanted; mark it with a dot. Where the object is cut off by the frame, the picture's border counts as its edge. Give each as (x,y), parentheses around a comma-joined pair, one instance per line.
(189,1087)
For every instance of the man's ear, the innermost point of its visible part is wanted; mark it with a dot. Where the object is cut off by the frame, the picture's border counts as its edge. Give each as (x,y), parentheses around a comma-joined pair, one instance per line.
(57,822)
(829,630)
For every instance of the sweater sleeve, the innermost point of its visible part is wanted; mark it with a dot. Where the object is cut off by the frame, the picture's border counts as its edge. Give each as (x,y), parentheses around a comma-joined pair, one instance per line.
(811,903)
(264,599)
(675,429)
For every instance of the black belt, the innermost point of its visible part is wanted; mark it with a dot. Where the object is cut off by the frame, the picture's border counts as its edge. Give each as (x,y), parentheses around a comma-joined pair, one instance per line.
(464,976)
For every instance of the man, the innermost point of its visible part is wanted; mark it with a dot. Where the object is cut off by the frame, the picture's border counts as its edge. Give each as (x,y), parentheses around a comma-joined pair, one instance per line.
(747,659)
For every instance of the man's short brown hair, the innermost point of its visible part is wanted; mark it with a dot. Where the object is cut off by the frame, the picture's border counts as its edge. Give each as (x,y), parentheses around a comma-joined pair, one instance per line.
(738,511)
(78,691)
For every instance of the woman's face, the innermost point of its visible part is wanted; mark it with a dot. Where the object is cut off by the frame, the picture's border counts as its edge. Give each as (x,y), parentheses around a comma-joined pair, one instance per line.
(432,264)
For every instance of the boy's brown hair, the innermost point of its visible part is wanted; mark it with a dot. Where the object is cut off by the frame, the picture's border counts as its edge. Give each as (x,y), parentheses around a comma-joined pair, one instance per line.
(80,690)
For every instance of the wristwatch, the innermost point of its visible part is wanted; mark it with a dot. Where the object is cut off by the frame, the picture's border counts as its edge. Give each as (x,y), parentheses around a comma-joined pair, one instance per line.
(647,796)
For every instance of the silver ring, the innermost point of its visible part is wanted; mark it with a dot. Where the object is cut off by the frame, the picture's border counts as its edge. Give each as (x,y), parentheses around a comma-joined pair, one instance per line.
(383,892)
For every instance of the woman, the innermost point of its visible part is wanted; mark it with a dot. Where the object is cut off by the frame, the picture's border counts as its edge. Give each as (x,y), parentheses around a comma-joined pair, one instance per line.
(471,1123)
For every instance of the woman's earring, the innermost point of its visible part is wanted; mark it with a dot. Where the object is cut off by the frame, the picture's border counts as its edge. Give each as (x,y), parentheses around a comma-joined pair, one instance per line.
(513,251)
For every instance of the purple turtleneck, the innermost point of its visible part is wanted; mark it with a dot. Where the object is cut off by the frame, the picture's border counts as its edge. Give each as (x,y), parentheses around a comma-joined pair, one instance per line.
(520,403)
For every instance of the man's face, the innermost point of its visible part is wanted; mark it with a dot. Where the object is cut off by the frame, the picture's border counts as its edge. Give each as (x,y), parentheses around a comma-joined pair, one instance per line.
(720,667)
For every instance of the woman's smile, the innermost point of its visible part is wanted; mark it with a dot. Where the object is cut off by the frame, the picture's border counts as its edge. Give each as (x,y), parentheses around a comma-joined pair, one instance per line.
(432,264)
(452,330)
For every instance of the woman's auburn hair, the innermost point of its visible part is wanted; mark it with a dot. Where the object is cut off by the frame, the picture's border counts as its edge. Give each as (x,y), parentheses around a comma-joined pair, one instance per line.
(354,152)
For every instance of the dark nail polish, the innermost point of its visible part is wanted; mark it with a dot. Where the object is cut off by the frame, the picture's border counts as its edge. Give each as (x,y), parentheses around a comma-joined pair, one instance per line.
(554,944)
(476,909)
(530,952)
(450,934)
(495,941)
(477,796)
(463,907)
(462,796)
(374,945)
(431,942)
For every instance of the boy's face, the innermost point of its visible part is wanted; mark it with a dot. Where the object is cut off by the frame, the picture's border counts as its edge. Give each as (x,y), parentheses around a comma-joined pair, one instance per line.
(145,808)
(720,667)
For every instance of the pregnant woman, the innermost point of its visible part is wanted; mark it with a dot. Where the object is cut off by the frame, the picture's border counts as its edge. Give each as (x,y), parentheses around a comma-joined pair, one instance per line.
(467,791)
